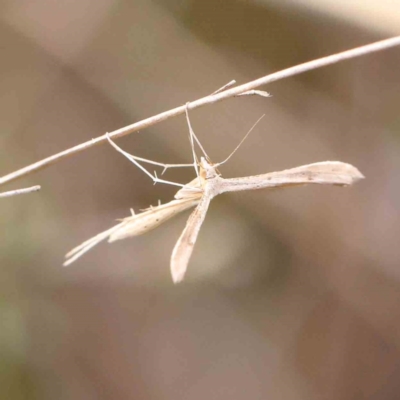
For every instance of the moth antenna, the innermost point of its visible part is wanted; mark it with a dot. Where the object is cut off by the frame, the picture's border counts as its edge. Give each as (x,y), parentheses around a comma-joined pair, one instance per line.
(241,142)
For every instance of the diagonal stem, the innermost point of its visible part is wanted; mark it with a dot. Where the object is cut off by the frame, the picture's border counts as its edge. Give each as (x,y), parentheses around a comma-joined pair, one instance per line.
(298,69)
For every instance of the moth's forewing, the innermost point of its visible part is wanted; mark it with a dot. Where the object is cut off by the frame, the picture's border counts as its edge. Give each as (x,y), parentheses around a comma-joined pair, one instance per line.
(80,250)
(184,246)
(138,224)
(326,173)
(152,218)
(192,189)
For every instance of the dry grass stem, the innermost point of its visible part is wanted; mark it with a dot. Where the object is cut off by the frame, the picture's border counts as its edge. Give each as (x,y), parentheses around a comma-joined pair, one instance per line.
(211,99)
(20,191)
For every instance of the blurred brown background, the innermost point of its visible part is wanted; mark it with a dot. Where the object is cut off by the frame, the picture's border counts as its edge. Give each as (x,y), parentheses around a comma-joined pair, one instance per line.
(293,294)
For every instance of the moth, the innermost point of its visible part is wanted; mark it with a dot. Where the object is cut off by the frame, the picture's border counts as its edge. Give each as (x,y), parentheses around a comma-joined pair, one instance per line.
(199,193)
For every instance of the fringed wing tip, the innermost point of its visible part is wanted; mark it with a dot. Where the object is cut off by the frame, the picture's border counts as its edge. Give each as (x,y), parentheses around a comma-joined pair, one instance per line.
(177,272)
(66,263)
(340,173)
(84,247)
(354,174)
(180,258)
(70,259)
(358,175)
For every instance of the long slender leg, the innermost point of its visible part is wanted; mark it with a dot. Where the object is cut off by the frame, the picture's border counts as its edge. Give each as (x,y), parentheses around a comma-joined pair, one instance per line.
(166,166)
(192,137)
(133,159)
(147,161)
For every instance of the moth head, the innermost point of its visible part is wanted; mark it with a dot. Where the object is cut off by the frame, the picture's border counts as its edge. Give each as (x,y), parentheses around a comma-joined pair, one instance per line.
(207,169)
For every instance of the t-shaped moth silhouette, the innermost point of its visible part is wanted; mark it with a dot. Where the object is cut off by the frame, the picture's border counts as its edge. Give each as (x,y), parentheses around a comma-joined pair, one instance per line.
(200,191)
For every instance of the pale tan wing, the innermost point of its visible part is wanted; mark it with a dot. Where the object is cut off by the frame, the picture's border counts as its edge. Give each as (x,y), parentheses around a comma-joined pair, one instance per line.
(134,225)
(84,247)
(191,189)
(152,218)
(184,246)
(325,173)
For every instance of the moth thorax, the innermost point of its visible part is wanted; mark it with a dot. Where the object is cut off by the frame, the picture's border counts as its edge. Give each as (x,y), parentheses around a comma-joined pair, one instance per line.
(207,170)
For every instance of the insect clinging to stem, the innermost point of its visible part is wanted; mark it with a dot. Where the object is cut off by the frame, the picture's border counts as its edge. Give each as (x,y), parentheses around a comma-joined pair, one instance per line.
(201,190)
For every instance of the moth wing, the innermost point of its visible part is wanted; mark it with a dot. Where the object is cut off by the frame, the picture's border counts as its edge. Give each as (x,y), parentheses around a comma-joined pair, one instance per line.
(151,218)
(184,246)
(325,173)
(133,225)
(328,172)
(192,189)
(84,247)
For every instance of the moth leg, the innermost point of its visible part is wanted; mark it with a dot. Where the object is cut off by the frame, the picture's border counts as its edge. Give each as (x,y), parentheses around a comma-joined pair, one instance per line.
(135,161)
(192,138)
